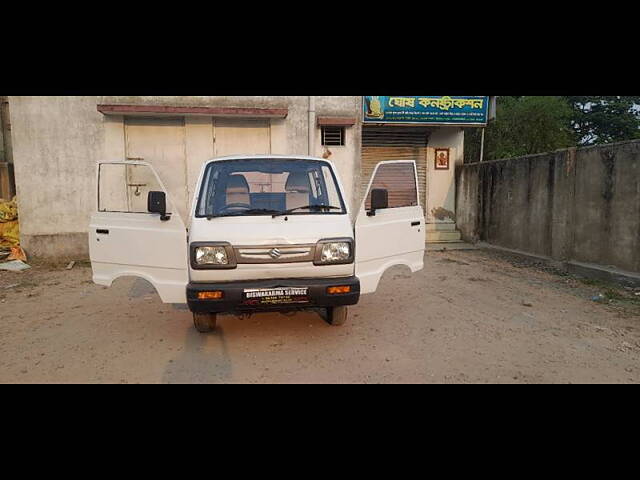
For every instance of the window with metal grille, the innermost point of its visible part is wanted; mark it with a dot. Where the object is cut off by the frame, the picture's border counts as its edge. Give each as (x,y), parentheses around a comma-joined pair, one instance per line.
(332,136)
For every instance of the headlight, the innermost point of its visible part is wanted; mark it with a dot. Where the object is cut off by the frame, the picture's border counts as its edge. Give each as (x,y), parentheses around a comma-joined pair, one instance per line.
(331,252)
(206,255)
(211,256)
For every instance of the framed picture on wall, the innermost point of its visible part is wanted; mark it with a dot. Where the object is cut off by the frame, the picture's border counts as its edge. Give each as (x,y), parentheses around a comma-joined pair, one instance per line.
(442,159)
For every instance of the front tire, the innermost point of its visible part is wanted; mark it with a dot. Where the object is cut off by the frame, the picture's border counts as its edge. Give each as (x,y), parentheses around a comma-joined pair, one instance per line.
(205,322)
(337,316)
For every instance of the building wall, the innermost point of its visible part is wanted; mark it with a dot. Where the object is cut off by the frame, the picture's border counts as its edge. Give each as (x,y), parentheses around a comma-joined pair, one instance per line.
(57,142)
(581,205)
(441,188)
(346,158)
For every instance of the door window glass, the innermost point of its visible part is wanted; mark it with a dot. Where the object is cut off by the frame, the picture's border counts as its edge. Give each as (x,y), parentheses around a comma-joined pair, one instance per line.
(125,188)
(400,182)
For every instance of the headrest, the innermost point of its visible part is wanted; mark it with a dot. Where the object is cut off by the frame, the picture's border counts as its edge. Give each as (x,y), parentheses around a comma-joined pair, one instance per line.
(298,182)
(237,183)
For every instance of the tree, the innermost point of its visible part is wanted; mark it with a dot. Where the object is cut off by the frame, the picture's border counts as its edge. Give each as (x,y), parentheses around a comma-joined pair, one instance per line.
(597,120)
(524,125)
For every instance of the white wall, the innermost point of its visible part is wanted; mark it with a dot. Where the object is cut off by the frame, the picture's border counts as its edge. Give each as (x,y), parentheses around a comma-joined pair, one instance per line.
(343,159)
(441,184)
(56,144)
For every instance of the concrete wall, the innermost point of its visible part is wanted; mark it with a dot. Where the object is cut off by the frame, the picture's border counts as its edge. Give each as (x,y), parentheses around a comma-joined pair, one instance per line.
(581,205)
(58,140)
(56,144)
(346,158)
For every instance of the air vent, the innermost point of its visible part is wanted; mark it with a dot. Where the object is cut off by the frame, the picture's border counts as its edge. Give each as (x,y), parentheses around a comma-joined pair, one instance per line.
(332,136)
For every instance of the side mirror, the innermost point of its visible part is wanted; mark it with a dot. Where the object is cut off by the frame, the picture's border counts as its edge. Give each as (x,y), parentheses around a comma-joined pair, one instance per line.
(379,200)
(157,203)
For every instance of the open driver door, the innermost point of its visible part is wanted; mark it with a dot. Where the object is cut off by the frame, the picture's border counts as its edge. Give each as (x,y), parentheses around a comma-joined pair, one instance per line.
(136,231)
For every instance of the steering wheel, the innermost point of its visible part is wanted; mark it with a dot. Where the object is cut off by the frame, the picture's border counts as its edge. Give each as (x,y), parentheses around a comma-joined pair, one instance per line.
(230,206)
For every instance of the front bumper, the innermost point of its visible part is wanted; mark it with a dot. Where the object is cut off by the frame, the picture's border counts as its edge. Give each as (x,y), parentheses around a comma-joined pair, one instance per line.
(233,294)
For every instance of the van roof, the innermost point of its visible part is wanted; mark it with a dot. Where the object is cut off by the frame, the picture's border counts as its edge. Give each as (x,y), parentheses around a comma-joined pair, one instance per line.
(258,156)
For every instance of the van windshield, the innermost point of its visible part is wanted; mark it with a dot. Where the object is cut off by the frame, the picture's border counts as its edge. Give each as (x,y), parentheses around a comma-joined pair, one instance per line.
(269,187)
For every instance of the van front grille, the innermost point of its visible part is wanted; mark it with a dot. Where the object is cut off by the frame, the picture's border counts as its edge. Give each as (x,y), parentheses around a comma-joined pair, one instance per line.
(275,254)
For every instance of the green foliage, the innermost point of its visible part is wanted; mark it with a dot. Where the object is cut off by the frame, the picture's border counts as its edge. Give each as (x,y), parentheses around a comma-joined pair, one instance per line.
(524,125)
(608,119)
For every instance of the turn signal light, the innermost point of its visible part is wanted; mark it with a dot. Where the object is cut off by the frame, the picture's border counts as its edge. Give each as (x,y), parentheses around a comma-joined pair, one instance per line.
(215,295)
(340,289)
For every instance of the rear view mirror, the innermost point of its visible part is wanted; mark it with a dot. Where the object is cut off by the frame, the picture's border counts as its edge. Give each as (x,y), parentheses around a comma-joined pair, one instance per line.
(157,203)
(379,199)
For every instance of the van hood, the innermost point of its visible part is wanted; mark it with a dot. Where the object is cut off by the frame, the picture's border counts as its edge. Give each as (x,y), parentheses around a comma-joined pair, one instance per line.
(265,230)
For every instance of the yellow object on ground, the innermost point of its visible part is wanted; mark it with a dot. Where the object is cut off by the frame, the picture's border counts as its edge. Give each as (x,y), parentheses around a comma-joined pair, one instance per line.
(9,226)
(10,234)
(8,210)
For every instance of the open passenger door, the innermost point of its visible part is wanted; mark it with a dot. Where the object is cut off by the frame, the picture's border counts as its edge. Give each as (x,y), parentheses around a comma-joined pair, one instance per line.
(390,226)
(125,239)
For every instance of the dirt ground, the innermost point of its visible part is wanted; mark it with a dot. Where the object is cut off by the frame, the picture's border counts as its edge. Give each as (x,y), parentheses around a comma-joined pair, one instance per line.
(469,317)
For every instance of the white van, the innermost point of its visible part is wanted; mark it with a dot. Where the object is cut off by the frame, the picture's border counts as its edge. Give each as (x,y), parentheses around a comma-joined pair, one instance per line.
(265,232)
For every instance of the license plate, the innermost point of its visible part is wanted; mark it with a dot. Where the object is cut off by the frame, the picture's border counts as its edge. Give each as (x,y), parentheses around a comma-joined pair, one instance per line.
(276,296)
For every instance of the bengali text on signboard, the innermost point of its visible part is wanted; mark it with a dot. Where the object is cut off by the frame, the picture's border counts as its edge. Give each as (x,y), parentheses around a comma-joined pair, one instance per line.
(426,110)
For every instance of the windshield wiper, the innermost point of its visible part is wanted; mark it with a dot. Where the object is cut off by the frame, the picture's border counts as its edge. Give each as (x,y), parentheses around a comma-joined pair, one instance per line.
(310,207)
(242,213)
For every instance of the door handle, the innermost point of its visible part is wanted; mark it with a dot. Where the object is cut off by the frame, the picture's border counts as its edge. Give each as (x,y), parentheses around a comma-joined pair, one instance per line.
(415,224)
(101,231)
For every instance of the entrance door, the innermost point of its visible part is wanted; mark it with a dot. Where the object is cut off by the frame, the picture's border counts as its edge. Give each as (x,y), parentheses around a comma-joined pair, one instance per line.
(238,136)
(126,240)
(394,235)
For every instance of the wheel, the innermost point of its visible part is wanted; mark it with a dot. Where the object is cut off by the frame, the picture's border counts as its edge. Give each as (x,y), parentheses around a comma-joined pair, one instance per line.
(204,322)
(337,315)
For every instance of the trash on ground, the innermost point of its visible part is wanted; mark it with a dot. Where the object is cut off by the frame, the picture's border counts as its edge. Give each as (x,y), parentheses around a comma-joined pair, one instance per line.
(8,210)
(14,266)
(17,253)
(9,226)
(10,250)
(600,298)
(70,266)
(9,234)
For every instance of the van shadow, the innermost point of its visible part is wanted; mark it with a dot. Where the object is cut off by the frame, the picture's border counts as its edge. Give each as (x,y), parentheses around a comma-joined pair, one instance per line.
(204,358)
(229,353)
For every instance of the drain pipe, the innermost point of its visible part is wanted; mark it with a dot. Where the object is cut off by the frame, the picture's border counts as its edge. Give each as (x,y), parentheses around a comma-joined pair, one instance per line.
(312,126)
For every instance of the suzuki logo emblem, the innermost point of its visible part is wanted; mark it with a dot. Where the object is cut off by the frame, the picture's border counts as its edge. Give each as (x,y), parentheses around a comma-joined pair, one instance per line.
(275,253)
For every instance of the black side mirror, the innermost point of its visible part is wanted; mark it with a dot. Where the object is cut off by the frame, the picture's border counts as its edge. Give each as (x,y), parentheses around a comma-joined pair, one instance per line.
(379,199)
(157,203)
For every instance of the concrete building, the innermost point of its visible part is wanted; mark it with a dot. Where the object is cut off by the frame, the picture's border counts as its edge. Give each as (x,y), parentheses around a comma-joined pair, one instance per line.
(56,142)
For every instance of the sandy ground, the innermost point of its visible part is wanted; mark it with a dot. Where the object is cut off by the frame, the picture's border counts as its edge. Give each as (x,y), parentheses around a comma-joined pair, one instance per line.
(461,320)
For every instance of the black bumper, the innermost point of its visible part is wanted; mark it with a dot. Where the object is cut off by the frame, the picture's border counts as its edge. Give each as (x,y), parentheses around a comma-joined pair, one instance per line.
(233,294)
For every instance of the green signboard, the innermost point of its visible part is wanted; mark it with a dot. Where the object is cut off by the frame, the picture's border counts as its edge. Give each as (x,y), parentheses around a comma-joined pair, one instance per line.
(427,110)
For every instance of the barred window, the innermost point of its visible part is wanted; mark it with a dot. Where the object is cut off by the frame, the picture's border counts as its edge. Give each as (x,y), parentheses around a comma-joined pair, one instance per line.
(332,136)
